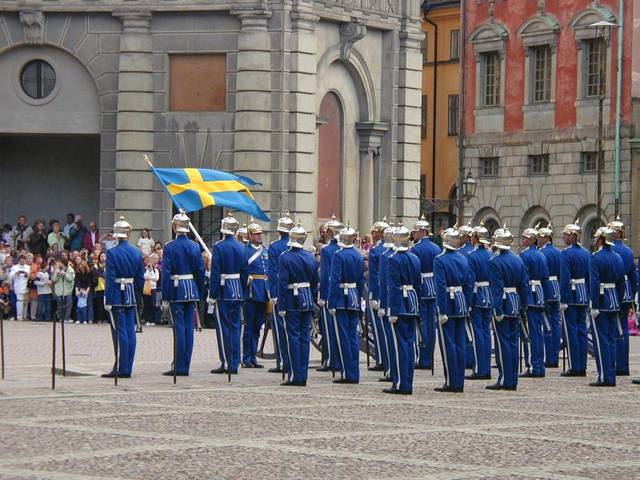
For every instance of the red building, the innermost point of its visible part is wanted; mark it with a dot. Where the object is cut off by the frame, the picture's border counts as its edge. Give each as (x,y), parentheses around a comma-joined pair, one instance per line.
(535,73)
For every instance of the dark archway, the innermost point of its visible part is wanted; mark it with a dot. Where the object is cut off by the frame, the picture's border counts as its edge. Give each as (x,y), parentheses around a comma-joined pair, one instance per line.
(330,153)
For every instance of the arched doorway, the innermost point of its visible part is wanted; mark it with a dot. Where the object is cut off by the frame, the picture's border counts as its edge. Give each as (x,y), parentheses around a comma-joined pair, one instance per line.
(330,153)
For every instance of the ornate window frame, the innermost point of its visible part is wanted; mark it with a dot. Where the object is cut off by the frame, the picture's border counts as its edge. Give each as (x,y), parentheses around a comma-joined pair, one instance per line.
(488,38)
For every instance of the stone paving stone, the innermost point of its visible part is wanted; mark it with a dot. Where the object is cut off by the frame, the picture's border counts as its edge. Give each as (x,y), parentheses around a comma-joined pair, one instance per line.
(624,434)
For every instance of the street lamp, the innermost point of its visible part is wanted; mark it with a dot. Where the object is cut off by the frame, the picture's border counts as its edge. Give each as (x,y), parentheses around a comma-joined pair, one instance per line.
(469,186)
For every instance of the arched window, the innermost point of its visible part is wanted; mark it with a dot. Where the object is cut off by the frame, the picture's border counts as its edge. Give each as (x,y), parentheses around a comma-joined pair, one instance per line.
(330,153)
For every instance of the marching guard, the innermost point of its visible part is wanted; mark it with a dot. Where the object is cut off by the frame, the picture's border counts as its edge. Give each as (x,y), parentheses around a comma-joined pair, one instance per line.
(297,291)
(226,294)
(382,292)
(254,278)
(510,292)
(403,296)
(426,251)
(346,290)
(574,300)
(466,231)
(182,288)
(481,305)
(454,281)
(552,296)
(124,281)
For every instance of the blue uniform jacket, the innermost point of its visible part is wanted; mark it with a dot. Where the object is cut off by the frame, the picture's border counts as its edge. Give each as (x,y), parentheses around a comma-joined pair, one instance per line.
(538,271)
(507,272)
(182,257)
(346,282)
(326,255)
(426,251)
(467,248)
(382,277)
(254,273)
(607,284)
(123,262)
(630,280)
(574,279)
(404,286)
(297,266)
(275,250)
(229,258)
(479,262)
(374,266)
(554,262)
(452,270)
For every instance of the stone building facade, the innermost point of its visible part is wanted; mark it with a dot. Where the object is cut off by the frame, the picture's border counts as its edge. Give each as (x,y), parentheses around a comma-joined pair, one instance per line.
(319,100)
(534,70)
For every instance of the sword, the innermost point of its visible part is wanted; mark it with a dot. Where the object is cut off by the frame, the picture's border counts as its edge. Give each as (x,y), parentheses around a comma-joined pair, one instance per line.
(198,323)
(546,321)
(138,322)
(468,329)
(564,348)
(524,328)
(224,353)
(267,326)
(174,345)
(619,324)
(116,345)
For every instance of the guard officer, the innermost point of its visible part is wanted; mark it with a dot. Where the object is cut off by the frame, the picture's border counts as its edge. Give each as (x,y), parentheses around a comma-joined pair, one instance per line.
(377,236)
(384,296)
(182,287)
(124,281)
(552,296)
(466,231)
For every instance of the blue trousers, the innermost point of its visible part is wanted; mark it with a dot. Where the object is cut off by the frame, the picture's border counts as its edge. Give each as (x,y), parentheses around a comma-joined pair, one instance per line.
(297,333)
(44,306)
(453,344)
(254,313)
(622,342)
(282,358)
(348,345)
(228,333)
(324,331)
(383,340)
(552,336)
(427,332)
(575,334)
(125,318)
(481,326)
(182,313)
(401,344)
(534,350)
(507,334)
(604,330)
(334,359)
(376,352)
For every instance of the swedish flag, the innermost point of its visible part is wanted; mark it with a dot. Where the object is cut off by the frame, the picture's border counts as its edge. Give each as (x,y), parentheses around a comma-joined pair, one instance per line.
(193,189)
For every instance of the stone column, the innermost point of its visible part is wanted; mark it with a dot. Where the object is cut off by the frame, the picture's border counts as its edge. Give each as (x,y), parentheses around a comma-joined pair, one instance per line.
(371,134)
(134,136)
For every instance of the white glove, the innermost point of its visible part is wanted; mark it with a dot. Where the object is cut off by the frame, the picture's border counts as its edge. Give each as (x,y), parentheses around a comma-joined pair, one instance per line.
(594,313)
(211,301)
(563,307)
(381,312)
(393,319)
(321,303)
(332,312)
(107,308)
(443,319)
(282,314)
(374,304)
(165,304)
(499,318)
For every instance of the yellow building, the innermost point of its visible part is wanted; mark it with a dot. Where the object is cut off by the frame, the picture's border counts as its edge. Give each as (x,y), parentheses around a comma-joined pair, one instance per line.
(440,108)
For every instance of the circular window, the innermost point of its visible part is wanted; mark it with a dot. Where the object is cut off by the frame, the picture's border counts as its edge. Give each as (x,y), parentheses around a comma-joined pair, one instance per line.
(38,79)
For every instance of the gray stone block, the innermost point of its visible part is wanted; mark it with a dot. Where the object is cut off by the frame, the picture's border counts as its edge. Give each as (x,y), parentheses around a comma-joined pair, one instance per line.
(135,62)
(107,83)
(128,180)
(54,25)
(88,48)
(134,102)
(136,42)
(75,32)
(253,61)
(134,141)
(109,43)
(135,82)
(131,161)
(135,121)
(253,81)
(109,102)
(102,64)
(104,23)
(109,121)
(251,101)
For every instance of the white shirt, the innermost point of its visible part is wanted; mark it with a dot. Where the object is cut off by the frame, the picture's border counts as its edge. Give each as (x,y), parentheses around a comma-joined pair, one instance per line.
(146,245)
(19,276)
(42,283)
(151,275)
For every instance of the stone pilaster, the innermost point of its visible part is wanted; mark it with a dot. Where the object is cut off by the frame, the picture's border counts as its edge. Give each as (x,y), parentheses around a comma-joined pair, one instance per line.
(371,134)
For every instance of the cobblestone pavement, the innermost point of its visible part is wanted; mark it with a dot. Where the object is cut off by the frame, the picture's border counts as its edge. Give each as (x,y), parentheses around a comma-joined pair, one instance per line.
(204,427)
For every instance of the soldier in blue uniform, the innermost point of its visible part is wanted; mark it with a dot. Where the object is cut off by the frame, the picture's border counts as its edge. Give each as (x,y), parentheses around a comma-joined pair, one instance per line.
(574,300)
(383,294)
(377,236)
(607,286)
(538,271)
(404,289)
(275,250)
(182,287)
(426,251)
(226,294)
(346,291)
(466,231)
(454,282)
(552,297)
(124,281)
(626,301)
(297,291)
(510,292)
(481,305)
(326,255)
(254,278)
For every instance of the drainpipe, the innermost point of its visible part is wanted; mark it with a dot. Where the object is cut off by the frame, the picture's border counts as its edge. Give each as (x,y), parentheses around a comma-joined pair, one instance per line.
(435,116)
(618,104)
(461,107)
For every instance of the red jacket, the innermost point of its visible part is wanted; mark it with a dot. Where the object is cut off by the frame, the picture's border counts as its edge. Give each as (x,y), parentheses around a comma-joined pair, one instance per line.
(89,242)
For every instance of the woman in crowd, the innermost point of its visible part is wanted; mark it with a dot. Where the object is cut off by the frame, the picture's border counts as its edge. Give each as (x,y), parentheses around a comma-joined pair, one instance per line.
(34,265)
(43,284)
(146,243)
(83,288)
(151,277)
(98,291)
(19,279)
(63,279)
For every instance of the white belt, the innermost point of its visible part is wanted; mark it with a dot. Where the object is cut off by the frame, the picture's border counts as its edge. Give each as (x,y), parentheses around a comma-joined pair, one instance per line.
(477,285)
(626,279)
(452,291)
(405,289)
(604,286)
(534,284)
(576,281)
(124,281)
(228,276)
(426,275)
(346,286)
(553,278)
(297,286)
(509,290)
(177,278)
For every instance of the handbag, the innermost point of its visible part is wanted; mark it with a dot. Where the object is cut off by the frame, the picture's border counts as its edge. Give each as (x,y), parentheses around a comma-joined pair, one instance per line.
(146,290)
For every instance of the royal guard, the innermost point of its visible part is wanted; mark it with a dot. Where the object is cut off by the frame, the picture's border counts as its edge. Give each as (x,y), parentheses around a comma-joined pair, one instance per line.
(124,281)
(511,292)
(377,237)
(466,231)
(182,288)
(346,291)
(574,300)
(226,294)
(426,251)
(552,297)
(454,294)
(383,294)
(242,234)
(404,289)
(297,291)
(254,278)
(481,305)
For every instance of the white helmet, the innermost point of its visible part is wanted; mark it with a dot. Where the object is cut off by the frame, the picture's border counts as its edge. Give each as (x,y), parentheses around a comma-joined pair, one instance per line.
(121,229)
(401,238)
(388,234)
(297,236)
(502,238)
(572,228)
(285,223)
(180,222)
(617,225)
(380,225)
(607,234)
(451,238)
(545,232)
(530,233)
(334,225)
(421,224)
(347,237)
(229,224)
(254,227)
(243,232)
(466,230)
(482,233)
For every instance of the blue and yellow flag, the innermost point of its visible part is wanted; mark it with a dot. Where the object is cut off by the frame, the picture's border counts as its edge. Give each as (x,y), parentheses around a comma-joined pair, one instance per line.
(193,189)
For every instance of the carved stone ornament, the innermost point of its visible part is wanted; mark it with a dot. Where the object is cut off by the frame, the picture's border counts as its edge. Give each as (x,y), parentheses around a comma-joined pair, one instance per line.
(33,23)
(350,33)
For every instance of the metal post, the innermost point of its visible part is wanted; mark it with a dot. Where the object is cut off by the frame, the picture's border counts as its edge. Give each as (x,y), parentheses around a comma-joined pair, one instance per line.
(600,159)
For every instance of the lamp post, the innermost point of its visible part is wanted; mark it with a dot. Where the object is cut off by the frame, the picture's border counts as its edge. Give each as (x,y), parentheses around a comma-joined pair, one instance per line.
(469,186)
